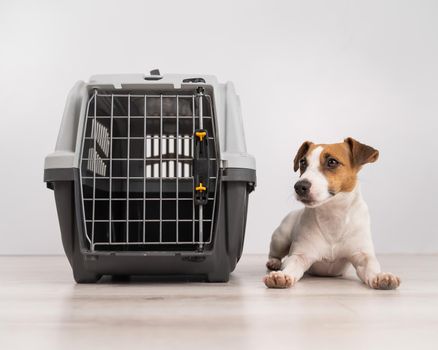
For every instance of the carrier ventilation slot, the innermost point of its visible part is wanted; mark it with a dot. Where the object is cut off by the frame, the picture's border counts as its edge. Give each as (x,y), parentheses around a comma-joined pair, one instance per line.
(102,136)
(137,172)
(95,162)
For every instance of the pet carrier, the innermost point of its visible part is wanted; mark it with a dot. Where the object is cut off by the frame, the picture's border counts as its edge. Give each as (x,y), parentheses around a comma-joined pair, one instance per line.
(151,177)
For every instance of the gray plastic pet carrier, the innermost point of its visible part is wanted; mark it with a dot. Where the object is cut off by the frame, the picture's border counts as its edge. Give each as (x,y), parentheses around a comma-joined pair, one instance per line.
(151,177)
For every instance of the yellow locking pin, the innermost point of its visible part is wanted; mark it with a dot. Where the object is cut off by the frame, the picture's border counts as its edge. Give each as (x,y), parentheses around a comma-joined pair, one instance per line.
(200,188)
(200,134)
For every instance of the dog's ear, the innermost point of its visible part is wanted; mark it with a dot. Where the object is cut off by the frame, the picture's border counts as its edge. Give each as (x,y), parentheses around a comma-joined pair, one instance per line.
(360,153)
(300,154)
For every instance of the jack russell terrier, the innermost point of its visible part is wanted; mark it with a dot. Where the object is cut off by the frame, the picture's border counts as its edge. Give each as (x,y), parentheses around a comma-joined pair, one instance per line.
(333,229)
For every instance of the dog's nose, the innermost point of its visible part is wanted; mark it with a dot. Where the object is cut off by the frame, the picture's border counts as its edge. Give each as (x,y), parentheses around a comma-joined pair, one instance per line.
(302,188)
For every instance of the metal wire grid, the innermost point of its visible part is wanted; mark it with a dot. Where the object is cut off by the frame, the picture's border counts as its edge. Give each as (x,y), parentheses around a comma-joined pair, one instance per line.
(97,165)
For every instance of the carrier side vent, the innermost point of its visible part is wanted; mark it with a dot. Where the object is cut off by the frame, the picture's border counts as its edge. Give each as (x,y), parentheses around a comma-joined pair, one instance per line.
(98,162)
(102,136)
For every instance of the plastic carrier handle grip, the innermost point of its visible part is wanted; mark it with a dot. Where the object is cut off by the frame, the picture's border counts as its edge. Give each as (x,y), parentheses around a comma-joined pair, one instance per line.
(201,167)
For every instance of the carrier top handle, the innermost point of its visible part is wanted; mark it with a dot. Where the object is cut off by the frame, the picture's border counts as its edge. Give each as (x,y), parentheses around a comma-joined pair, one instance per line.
(201,166)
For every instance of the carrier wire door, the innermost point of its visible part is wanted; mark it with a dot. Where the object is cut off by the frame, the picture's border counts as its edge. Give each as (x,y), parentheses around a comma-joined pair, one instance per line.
(138,186)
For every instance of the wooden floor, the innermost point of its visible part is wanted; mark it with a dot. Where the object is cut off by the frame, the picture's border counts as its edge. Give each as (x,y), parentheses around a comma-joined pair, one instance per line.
(42,308)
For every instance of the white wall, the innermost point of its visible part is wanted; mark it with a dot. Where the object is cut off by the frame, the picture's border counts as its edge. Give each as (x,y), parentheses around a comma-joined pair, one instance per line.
(317,70)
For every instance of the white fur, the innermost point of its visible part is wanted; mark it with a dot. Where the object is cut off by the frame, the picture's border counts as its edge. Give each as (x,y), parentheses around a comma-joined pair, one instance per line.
(324,239)
(319,190)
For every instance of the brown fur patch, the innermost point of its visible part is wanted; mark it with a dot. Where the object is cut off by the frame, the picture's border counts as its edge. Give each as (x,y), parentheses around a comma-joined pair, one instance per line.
(344,177)
(361,153)
(302,151)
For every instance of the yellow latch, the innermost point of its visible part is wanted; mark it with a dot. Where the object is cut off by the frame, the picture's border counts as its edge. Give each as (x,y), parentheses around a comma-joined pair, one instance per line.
(200,188)
(200,134)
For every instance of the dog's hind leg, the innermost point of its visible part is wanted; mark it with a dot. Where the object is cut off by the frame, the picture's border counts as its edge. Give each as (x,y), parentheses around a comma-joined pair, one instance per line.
(279,247)
(281,242)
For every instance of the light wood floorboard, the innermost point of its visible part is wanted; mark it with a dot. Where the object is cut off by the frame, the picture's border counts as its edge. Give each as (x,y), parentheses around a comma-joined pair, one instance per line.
(42,308)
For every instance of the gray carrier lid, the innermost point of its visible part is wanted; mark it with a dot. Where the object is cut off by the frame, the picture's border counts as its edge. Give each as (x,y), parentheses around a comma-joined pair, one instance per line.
(233,152)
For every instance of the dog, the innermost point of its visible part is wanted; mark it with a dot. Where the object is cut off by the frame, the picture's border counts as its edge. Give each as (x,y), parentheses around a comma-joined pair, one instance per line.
(333,229)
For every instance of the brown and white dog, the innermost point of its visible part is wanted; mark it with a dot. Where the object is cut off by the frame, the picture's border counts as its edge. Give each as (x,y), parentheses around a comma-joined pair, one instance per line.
(333,229)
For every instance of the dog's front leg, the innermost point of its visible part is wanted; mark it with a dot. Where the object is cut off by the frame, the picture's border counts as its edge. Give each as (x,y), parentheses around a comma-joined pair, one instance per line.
(293,269)
(368,269)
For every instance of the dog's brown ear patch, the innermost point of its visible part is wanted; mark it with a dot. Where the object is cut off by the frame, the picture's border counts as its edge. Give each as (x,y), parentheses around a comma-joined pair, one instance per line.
(301,153)
(360,153)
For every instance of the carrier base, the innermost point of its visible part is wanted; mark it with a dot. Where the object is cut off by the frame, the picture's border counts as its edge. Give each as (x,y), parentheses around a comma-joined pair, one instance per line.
(214,264)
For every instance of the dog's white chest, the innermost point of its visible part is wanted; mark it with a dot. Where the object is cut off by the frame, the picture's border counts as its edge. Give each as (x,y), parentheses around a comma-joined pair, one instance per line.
(332,225)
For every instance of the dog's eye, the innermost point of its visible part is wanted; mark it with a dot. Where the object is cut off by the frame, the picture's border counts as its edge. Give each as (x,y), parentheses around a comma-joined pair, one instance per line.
(332,163)
(303,163)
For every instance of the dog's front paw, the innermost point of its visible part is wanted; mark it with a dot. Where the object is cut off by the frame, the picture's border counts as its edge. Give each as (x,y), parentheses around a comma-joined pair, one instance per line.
(273,264)
(277,279)
(385,280)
